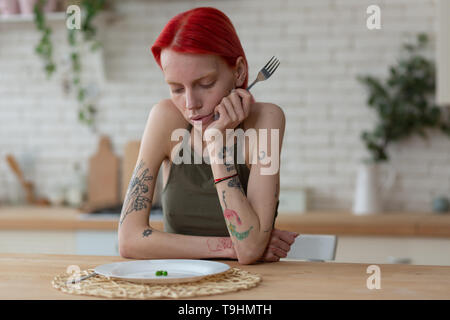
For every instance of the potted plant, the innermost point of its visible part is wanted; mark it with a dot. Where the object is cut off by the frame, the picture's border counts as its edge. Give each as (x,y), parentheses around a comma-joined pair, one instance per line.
(77,39)
(405,106)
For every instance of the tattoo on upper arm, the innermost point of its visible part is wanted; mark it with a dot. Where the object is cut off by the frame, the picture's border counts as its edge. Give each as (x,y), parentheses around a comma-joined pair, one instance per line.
(229,214)
(137,196)
(147,232)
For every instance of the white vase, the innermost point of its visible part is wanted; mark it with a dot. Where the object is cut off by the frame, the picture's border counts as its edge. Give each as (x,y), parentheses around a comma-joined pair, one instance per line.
(370,188)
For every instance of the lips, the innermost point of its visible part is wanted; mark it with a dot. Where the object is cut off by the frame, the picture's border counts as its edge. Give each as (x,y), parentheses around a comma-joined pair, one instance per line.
(197,117)
(201,118)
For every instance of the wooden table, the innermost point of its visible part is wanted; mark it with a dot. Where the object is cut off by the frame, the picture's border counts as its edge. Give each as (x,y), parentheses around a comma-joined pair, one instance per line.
(28,276)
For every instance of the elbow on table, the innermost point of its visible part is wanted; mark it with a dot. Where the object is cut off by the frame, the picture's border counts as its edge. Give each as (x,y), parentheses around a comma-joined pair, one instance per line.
(127,248)
(249,255)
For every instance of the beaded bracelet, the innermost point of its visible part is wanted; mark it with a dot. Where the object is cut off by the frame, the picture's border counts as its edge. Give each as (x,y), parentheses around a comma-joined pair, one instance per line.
(216,181)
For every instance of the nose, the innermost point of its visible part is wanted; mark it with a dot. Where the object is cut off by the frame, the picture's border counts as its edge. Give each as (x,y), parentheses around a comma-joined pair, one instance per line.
(192,101)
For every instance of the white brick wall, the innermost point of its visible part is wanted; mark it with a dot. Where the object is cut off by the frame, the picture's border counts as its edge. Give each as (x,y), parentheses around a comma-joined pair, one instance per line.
(322,44)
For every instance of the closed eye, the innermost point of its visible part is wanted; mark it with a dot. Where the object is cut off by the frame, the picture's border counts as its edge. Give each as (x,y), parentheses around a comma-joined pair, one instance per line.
(206,86)
(177,90)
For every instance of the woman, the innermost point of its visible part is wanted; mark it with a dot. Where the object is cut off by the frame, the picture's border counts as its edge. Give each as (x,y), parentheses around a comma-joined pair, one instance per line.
(211,210)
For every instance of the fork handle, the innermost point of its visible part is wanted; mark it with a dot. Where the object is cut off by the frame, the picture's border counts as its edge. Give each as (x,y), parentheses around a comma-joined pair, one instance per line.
(249,87)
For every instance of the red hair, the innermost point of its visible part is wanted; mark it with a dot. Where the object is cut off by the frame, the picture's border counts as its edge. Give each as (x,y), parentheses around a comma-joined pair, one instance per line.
(204,30)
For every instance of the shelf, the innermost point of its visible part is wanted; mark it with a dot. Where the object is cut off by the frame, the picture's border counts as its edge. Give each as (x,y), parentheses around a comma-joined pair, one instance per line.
(50,16)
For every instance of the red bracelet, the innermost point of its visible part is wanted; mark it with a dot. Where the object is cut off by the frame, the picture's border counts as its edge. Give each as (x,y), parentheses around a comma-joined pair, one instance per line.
(216,181)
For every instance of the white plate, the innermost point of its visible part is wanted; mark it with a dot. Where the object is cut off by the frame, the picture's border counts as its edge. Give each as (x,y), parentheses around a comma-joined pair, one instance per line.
(178,270)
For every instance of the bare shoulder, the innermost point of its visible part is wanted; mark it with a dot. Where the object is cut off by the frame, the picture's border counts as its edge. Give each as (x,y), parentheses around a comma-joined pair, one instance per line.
(168,115)
(163,119)
(265,115)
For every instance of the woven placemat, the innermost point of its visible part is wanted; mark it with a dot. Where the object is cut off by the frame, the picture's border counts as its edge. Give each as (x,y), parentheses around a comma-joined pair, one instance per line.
(233,280)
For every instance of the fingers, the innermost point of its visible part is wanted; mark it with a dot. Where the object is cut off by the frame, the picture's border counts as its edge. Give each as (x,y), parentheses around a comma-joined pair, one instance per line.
(231,110)
(280,244)
(222,110)
(278,251)
(247,100)
(270,257)
(286,236)
(236,100)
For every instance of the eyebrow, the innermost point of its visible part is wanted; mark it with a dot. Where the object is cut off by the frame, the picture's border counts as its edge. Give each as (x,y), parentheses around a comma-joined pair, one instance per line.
(205,76)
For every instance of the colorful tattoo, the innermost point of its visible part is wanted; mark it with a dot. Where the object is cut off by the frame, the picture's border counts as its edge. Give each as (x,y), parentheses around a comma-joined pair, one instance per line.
(219,244)
(238,235)
(135,199)
(228,213)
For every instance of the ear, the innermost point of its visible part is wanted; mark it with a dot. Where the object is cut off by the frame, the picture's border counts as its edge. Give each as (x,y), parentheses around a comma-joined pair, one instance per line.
(240,71)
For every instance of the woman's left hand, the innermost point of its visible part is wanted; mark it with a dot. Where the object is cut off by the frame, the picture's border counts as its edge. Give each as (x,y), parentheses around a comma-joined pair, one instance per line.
(279,245)
(232,110)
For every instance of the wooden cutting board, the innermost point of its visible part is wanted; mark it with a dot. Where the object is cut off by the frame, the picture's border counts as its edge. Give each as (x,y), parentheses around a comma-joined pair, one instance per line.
(130,156)
(103,177)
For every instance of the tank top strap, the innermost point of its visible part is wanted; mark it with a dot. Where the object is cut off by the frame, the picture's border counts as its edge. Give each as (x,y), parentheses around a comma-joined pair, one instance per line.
(184,144)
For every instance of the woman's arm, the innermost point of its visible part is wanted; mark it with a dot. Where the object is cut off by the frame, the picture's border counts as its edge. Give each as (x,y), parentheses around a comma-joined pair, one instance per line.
(250,218)
(136,237)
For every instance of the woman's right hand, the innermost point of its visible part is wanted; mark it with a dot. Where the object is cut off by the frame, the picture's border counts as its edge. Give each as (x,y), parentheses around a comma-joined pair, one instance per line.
(279,245)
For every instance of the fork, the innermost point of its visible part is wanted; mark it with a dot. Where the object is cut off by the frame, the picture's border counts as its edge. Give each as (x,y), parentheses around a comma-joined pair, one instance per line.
(266,71)
(263,74)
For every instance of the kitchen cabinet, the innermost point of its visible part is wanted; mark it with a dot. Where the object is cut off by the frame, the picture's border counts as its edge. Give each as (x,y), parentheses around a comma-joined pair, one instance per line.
(417,238)
(32,241)
(383,249)
(97,242)
(85,242)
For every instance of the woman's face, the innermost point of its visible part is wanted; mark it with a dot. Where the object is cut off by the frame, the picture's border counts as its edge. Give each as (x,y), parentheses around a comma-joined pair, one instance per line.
(197,82)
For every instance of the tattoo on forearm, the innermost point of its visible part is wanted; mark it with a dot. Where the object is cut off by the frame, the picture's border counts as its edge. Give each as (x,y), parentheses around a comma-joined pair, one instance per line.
(236,183)
(261,155)
(219,244)
(137,197)
(223,155)
(146,233)
(239,235)
(229,214)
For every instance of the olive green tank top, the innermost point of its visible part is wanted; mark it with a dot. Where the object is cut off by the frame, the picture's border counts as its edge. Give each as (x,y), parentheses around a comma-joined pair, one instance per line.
(189,199)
